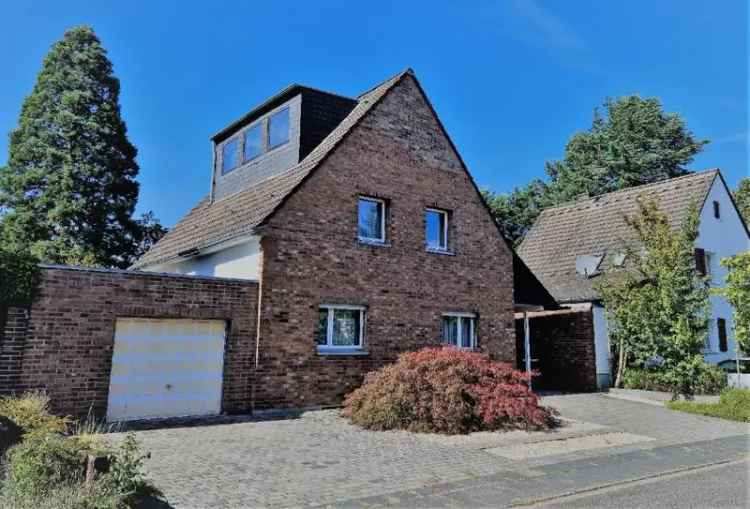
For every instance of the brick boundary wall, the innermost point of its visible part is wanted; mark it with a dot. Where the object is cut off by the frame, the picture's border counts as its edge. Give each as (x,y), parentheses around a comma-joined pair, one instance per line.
(564,344)
(12,336)
(64,343)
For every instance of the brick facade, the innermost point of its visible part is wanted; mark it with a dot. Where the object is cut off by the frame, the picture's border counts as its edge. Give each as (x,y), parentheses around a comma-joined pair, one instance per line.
(563,343)
(311,256)
(64,343)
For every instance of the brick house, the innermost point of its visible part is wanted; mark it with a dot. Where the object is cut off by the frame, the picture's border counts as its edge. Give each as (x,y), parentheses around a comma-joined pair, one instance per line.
(366,233)
(337,233)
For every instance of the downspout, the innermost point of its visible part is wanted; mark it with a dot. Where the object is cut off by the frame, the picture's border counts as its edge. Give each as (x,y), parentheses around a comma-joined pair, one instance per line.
(254,373)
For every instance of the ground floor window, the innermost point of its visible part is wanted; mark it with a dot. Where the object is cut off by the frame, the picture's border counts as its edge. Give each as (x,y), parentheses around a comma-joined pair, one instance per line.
(459,329)
(340,327)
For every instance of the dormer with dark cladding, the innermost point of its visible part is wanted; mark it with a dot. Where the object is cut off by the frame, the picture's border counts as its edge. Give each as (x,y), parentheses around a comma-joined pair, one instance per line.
(310,115)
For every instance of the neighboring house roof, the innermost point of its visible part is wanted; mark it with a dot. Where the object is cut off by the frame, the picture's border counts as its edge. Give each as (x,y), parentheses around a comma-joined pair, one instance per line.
(209,224)
(581,232)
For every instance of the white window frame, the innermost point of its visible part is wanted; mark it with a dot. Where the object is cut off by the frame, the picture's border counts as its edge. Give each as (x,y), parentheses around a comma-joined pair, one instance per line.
(472,327)
(381,239)
(269,145)
(329,346)
(446,217)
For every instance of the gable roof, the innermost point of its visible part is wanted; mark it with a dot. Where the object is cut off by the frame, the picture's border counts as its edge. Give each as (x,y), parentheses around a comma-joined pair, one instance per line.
(209,224)
(596,226)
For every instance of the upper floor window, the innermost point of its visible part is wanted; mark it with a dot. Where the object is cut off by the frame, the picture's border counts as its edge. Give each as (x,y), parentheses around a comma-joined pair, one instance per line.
(717,210)
(371,227)
(253,142)
(436,229)
(459,329)
(721,325)
(340,327)
(278,128)
(229,155)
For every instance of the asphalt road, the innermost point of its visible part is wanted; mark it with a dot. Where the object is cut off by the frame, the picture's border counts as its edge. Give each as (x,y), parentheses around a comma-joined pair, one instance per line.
(721,486)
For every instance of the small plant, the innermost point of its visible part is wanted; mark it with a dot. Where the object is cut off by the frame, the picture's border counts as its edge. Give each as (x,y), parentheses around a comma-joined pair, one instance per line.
(446,390)
(31,412)
(126,474)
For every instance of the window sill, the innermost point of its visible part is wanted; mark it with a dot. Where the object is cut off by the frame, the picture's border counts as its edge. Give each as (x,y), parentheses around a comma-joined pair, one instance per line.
(342,351)
(444,252)
(373,242)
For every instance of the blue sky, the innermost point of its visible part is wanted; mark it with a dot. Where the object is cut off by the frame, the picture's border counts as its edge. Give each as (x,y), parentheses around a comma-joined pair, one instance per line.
(511,80)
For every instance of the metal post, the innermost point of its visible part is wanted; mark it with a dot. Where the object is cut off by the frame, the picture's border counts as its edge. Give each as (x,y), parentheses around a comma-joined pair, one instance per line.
(527,344)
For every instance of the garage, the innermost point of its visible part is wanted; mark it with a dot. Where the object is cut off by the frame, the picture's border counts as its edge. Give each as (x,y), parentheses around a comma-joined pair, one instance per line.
(166,368)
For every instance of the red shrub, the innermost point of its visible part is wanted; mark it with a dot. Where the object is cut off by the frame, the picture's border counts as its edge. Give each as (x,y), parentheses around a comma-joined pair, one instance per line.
(446,390)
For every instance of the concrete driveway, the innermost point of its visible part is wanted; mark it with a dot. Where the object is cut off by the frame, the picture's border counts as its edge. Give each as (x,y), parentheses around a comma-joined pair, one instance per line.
(319,459)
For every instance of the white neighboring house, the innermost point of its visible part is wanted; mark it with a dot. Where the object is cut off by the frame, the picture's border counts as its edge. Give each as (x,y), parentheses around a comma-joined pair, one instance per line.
(571,244)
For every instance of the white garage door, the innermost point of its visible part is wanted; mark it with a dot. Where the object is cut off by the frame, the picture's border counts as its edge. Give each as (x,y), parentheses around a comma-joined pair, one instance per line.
(166,368)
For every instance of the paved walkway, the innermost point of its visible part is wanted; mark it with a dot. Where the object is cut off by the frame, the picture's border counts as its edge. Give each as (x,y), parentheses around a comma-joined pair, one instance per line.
(319,459)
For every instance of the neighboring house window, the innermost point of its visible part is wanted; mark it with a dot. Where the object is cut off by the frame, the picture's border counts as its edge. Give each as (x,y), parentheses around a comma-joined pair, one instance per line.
(278,128)
(229,155)
(700,261)
(459,329)
(253,142)
(717,210)
(721,324)
(436,229)
(340,327)
(371,226)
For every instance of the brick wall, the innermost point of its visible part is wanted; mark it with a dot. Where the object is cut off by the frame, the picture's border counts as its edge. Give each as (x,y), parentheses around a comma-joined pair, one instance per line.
(562,347)
(66,348)
(312,256)
(12,336)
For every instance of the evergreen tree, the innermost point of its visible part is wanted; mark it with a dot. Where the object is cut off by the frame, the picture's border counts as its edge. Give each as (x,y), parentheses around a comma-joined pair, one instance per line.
(742,198)
(516,212)
(658,305)
(68,191)
(635,143)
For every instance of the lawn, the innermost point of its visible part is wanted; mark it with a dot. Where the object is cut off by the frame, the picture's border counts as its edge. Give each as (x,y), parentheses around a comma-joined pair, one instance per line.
(734,405)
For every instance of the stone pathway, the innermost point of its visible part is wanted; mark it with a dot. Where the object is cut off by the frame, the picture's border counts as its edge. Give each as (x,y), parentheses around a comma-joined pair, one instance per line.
(318,459)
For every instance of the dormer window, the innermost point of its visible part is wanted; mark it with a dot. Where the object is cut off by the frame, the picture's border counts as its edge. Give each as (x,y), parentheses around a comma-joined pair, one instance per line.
(253,142)
(229,155)
(278,128)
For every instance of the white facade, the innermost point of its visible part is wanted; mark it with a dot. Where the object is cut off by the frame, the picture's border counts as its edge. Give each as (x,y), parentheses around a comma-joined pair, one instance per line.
(240,260)
(720,237)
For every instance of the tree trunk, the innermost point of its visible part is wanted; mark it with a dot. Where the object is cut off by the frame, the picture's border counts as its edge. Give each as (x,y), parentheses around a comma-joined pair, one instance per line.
(621,364)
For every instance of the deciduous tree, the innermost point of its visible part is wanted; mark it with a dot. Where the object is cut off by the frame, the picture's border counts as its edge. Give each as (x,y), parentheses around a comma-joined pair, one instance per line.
(658,305)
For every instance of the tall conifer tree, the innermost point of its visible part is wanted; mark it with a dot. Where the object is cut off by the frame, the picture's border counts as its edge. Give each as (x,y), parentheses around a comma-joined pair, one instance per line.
(68,191)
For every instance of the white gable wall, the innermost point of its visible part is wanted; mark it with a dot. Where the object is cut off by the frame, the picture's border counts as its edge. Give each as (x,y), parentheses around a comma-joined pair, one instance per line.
(721,237)
(240,261)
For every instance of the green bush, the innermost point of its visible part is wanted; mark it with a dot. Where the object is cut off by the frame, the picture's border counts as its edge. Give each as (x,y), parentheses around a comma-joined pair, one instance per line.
(95,495)
(710,380)
(38,465)
(734,404)
(31,412)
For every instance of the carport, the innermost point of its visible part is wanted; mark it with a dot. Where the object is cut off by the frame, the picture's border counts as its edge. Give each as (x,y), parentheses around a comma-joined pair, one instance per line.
(559,344)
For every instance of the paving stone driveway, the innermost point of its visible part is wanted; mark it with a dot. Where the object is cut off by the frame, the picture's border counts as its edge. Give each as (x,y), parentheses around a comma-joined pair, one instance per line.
(319,459)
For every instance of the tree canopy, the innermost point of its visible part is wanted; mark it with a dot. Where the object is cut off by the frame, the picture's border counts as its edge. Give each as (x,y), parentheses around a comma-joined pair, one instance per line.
(742,198)
(635,142)
(68,191)
(737,292)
